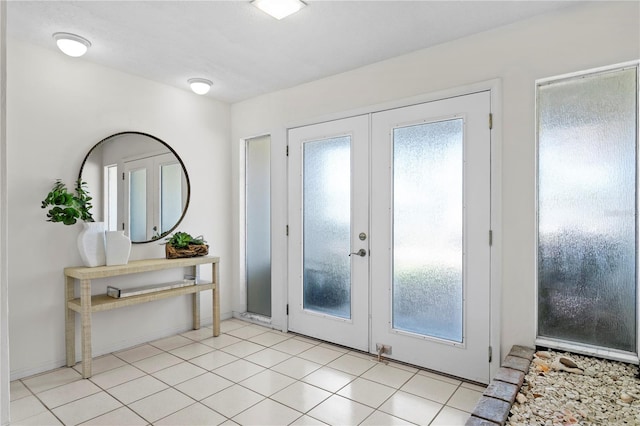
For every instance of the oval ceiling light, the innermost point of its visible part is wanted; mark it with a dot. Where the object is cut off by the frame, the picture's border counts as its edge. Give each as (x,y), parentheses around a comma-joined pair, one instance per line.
(200,86)
(279,8)
(72,44)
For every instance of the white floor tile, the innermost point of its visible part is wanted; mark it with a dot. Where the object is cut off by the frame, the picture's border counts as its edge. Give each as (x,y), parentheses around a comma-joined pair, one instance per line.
(268,357)
(122,416)
(320,355)
(267,382)
(45,418)
(196,414)
(238,370)
(138,353)
(247,332)
(161,404)
(335,347)
(270,338)
(221,341)
(464,399)
(191,351)
(179,373)
(227,326)
(426,387)
(203,386)
(411,408)
(309,340)
(450,417)
(18,390)
(328,379)
(267,413)
(26,407)
(292,346)
(137,389)
(117,376)
(102,364)
(296,367)
(171,342)
(340,411)
(213,360)
(301,396)
(157,362)
(242,349)
(367,392)
(378,418)
(308,421)
(233,400)
(87,408)
(474,387)
(439,377)
(387,375)
(352,364)
(67,393)
(197,335)
(52,379)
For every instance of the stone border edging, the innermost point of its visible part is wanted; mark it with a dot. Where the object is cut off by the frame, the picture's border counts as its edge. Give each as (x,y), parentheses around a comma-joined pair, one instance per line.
(495,403)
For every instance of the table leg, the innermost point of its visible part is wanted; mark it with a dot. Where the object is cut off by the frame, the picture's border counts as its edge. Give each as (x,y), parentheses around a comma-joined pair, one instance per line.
(215,277)
(70,322)
(196,310)
(85,303)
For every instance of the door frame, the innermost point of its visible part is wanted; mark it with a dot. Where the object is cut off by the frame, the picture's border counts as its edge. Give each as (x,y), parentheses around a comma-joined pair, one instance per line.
(494,86)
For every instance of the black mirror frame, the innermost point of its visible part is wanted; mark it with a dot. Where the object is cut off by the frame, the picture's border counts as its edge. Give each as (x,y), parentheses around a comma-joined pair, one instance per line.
(184,170)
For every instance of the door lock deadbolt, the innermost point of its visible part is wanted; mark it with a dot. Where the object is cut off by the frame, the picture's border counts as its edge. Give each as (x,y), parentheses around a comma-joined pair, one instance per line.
(362,236)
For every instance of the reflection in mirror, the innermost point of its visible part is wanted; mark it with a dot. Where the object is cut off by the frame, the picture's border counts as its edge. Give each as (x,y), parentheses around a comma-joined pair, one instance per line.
(138,184)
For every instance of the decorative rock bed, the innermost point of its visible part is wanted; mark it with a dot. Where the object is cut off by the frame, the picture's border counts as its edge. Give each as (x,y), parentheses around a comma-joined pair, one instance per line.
(559,389)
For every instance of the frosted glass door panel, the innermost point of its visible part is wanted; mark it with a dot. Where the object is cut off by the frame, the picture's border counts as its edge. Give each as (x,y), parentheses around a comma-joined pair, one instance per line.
(326,226)
(170,196)
(587,210)
(138,204)
(427,229)
(258,226)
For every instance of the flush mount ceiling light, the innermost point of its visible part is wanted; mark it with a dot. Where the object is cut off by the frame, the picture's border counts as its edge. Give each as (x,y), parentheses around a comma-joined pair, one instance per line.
(200,86)
(279,8)
(72,44)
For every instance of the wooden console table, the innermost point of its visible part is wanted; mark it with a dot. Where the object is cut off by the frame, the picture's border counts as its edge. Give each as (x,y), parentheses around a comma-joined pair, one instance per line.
(86,304)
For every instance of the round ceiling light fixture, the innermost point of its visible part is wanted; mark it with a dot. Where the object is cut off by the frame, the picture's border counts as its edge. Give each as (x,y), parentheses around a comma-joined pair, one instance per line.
(200,86)
(72,44)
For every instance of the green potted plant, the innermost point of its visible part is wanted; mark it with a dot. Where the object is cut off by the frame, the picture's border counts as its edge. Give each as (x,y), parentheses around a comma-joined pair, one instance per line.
(182,244)
(67,208)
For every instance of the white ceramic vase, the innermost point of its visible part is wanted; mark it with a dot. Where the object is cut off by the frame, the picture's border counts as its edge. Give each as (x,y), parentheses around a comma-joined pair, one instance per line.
(118,247)
(91,244)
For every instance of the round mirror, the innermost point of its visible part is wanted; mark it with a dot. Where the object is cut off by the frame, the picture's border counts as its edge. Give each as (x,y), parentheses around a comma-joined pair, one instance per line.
(138,184)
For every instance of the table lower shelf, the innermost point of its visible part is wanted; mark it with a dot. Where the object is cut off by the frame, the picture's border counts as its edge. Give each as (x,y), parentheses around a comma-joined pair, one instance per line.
(102,302)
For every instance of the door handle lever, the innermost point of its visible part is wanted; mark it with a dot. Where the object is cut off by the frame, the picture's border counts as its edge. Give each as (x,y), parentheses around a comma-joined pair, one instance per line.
(361,253)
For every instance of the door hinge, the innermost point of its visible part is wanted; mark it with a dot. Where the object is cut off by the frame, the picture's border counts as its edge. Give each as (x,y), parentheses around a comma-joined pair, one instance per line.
(123,226)
(122,175)
(287,150)
(490,121)
(490,237)
(287,309)
(490,353)
(287,230)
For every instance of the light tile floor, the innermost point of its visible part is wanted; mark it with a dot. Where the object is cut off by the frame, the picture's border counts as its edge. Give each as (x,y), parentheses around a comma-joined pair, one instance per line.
(249,375)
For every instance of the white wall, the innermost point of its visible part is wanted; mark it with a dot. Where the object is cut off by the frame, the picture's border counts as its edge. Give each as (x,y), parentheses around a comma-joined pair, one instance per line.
(4,305)
(576,38)
(57,109)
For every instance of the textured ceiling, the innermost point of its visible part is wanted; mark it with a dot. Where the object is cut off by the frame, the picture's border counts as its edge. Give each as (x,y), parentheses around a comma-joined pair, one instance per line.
(246,52)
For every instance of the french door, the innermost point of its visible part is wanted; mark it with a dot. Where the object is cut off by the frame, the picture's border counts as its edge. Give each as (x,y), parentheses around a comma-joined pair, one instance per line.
(410,187)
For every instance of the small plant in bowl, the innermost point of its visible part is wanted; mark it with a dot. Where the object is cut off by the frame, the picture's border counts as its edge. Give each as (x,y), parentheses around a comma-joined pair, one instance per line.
(68,207)
(182,244)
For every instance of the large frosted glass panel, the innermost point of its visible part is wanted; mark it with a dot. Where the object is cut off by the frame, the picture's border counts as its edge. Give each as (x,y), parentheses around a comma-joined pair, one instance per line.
(258,238)
(170,196)
(327,223)
(586,221)
(138,205)
(427,229)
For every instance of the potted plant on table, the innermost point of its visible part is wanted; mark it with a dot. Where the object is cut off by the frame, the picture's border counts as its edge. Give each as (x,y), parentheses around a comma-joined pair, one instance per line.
(182,244)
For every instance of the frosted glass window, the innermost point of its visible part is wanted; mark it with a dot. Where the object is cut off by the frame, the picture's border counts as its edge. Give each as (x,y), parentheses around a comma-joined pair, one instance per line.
(170,196)
(258,226)
(327,226)
(427,229)
(138,204)
(587,134)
